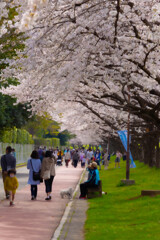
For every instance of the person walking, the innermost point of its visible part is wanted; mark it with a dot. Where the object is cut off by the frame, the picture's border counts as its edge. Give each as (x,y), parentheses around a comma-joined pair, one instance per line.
(98,158)
(48,172)
(8,161)
(106,162)
(13,153)
(82,159)
(11,184)
(40,151)
(83,162)
(124,156)
(118,157)
(59,158)
(75,158)
(34,165)
(67,157)
(90,155)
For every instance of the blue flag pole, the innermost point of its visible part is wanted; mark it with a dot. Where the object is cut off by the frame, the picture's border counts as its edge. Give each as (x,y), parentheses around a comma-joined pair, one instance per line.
(123,137)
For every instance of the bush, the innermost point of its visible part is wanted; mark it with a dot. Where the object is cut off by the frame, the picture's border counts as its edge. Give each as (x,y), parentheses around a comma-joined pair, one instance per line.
(15,135)
(49,142)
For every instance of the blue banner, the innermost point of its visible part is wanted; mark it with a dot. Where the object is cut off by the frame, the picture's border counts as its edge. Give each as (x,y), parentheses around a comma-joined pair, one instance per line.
(123,137)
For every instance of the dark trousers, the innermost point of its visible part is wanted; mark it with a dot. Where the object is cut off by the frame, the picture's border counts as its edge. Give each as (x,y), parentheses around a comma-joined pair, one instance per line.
(82,164)
(75,162)
(34,191)
(48,184)
(67,161)
(83,188)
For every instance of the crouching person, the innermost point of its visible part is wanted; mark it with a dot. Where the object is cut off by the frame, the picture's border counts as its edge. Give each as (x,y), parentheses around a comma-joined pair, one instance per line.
(11,184)
(92,181)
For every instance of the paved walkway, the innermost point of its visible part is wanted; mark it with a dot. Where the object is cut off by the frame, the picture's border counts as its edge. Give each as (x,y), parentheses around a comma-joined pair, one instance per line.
(36,220)
(73,228)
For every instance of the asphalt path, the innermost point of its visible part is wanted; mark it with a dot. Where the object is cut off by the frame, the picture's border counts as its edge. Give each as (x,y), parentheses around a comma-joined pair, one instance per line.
(36,220)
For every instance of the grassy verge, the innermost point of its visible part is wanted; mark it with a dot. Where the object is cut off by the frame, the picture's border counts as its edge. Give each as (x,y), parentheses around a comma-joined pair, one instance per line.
(122,214)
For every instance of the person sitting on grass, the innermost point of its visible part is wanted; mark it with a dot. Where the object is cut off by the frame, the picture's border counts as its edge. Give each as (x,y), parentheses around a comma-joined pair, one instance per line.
(92,180)
(11,184)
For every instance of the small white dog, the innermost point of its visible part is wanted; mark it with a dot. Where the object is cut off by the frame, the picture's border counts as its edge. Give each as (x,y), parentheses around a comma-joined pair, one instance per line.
(66,192)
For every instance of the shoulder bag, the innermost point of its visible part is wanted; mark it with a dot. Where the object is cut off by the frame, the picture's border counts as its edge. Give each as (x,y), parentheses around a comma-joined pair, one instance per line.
(36,175)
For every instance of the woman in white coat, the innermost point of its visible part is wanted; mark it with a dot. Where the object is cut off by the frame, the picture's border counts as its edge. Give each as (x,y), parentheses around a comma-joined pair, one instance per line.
(48,172)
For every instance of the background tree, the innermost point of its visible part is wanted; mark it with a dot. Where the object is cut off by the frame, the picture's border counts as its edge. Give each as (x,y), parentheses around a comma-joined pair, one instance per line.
(84,60)
(42,126)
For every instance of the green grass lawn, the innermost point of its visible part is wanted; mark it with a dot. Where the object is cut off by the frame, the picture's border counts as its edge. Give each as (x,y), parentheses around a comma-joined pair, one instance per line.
(115,216)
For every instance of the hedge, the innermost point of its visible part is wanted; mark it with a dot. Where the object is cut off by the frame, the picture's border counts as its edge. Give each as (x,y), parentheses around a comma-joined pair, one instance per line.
(48,142)
(15,135)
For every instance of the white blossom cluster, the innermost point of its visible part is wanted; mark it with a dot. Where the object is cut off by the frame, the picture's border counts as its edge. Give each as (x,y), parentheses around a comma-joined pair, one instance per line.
(28,13)
(30,16)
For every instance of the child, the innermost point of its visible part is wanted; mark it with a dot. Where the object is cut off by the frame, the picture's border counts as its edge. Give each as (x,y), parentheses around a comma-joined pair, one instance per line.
(11,184)
(83,162)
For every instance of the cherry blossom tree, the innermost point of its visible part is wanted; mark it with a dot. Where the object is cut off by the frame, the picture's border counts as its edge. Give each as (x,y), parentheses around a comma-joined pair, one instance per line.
(84,59)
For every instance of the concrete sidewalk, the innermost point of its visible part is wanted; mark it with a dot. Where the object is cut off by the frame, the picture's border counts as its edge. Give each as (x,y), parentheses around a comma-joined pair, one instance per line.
(37,220)
(73,228)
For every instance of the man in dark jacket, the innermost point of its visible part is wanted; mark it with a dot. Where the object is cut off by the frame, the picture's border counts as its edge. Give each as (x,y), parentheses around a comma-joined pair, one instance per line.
(75,158)
(8,162)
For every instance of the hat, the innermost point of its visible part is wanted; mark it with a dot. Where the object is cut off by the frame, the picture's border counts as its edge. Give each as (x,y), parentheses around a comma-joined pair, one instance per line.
(94,164)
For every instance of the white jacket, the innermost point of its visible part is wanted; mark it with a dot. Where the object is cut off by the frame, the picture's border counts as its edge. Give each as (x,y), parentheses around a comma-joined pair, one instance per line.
(67,156)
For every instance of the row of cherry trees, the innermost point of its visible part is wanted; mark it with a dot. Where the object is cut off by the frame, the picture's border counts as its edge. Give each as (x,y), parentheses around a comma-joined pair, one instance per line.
(85,60)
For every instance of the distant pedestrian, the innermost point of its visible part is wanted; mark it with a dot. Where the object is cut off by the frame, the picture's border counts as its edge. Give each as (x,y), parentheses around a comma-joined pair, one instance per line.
(106,162)
(98,158)
(124,156)
(55,154)
(75,158)
(8,162)
(34,164)
(42,156)
(13,152)
(109,157)
(11,184)
(65,150)
(118,157)
(102,157)
(83,163)
(48,172)
(85,152)
(67,157)
(59,158)
(82,159)
(90,155)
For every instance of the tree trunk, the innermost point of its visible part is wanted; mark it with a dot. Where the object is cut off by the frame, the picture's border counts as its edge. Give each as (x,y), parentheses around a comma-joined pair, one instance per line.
(149,149)
(157,153)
